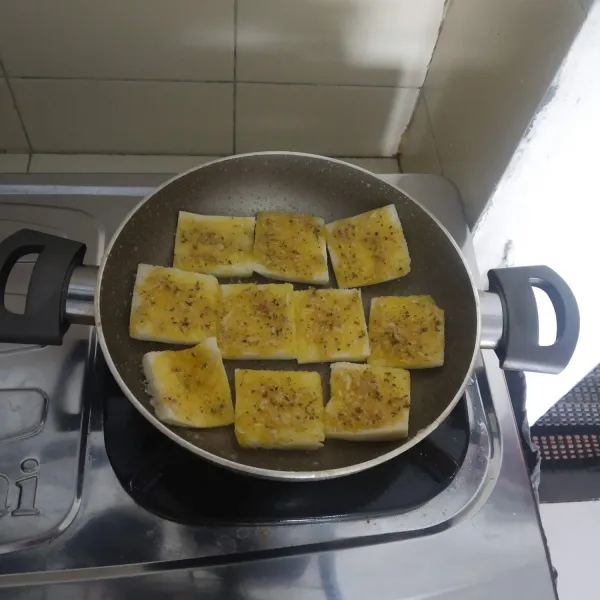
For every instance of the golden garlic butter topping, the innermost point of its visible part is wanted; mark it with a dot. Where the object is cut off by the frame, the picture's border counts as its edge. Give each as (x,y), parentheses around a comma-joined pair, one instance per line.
(291,247)
(221,246)
(173,306)
(330,325)
(367,403)
(190,387)
(368,248)
(406,331)
(257,321)
(279,409)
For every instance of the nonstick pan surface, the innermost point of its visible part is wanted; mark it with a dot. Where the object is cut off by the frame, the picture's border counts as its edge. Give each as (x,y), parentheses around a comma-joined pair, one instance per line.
(281,181)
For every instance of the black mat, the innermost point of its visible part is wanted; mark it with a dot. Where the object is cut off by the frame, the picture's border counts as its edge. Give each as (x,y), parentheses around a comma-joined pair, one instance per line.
(568,436)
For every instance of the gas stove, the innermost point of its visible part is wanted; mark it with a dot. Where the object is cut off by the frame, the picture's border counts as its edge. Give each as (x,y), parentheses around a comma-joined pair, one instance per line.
(94,502)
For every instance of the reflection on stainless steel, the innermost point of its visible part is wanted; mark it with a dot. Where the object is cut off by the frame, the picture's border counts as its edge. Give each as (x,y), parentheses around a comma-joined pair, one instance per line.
(492,320)
(80,295)
(41,463)
(81,535)
(22,412)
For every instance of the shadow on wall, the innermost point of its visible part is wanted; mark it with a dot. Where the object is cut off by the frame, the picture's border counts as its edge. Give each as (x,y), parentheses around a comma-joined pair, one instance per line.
(491,69)
(332,76)
(346,61)
(334,42)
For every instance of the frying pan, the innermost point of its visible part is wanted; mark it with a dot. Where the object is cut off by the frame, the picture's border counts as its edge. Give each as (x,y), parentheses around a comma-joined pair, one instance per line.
(331,189)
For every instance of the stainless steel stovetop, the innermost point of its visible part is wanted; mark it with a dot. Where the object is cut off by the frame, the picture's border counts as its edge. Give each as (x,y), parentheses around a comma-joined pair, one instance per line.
(69,529)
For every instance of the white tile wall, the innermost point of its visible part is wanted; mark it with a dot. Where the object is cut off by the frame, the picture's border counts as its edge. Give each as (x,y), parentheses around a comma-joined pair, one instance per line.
(493,64)
(158,76)
(12,136)
(418,151)
(115,39)
(334,120)
(376,165)
(364,42)
(113,163)
(14,163)
(120,163)
(127,116)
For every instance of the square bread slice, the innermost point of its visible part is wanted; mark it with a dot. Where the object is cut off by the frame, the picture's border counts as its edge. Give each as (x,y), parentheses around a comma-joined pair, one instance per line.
(330,326)
(368,248)
(257,321)
(189,387)
(407,332)
(367,403)
(279,410)
(173,306)
(291,247)
(220,246)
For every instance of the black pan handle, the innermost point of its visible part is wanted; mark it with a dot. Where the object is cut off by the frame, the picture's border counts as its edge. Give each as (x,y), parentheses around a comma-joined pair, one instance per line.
(44,321)
(519,347)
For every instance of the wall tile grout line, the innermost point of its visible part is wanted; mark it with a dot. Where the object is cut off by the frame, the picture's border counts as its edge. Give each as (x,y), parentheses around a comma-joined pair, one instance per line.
(332,85)
(162,154)
(235,27)
(116,153)
(40,163)
(430,123)
(14,101)
(219,81)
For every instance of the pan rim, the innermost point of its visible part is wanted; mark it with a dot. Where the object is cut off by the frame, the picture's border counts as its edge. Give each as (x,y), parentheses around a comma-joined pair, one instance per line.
(262,472)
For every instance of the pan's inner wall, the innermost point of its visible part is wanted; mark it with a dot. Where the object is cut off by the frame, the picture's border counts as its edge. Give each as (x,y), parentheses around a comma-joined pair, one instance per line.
(292,183)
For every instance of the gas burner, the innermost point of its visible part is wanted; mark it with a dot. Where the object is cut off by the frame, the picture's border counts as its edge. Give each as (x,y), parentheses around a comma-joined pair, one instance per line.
(172,483)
